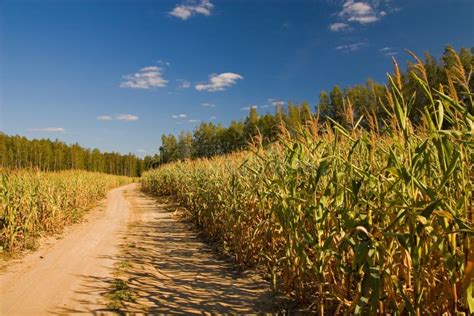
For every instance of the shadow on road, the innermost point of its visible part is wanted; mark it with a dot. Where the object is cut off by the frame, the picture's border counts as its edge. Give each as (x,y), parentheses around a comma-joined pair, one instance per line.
(168,269)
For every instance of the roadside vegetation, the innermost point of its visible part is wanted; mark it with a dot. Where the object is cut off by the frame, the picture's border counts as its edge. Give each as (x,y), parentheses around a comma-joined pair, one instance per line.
(34,203)
(352,211)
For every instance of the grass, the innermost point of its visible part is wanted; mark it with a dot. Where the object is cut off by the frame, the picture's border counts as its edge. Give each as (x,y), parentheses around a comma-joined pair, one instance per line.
(350,219)
(33,204)
(119,294)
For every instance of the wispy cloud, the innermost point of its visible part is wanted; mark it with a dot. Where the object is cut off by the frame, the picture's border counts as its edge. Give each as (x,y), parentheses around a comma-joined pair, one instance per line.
(351,47)
(146,78)
(104,118)
(185,11)
(183,118)
(162,62)
(219,82)
(118,117)
(337,27)
(48,129)
(141,151)
(212,118)
(208,105)
(388,51)
(183,84)
(179,116)
(273,102)
(126,117)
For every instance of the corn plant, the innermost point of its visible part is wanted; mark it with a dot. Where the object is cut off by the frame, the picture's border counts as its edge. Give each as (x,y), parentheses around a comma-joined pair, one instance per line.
(35,203)
(349,219)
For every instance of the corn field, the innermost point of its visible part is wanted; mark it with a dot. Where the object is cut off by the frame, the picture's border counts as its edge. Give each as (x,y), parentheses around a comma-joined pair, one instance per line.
(349,219)
(34,203)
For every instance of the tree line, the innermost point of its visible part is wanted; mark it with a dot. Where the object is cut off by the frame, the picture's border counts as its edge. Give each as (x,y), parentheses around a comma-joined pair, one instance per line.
(365,101)
(17,152)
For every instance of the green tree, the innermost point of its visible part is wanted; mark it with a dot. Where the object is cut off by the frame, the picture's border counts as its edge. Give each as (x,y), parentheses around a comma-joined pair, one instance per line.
(336,104)
(204,140)
(185,146)
(251,125)
(168,148)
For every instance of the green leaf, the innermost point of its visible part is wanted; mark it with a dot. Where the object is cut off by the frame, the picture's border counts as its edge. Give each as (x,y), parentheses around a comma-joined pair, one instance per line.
(470,297)
(430,208)
(361,253)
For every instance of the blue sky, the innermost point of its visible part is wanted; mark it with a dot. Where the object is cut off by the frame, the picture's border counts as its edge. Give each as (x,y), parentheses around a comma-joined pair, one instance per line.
(116,75)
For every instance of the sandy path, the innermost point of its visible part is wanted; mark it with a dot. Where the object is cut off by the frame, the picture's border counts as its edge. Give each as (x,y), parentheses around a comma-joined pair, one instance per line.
(167,267)
(172,271)
(55,278)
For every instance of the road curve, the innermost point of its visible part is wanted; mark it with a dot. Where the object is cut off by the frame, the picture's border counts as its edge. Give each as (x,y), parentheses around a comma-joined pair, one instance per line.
(55,278)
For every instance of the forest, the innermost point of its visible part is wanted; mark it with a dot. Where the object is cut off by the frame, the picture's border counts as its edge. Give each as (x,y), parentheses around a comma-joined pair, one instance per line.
(18,152)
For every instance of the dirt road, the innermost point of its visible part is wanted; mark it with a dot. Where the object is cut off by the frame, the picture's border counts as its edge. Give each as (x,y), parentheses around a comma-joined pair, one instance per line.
(53,278)
(162,265)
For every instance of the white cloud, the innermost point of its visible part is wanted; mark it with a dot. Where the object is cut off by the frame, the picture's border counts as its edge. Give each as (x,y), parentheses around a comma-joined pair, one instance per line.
(385,49)
(336,27)
(361,12)
(147,78)
(104,118)
(179,116)
(213,118)
(48,129)
(219,82)
(126,117)
(351,47)
(141,151)
(193,121)
(208,105)
(185,11)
